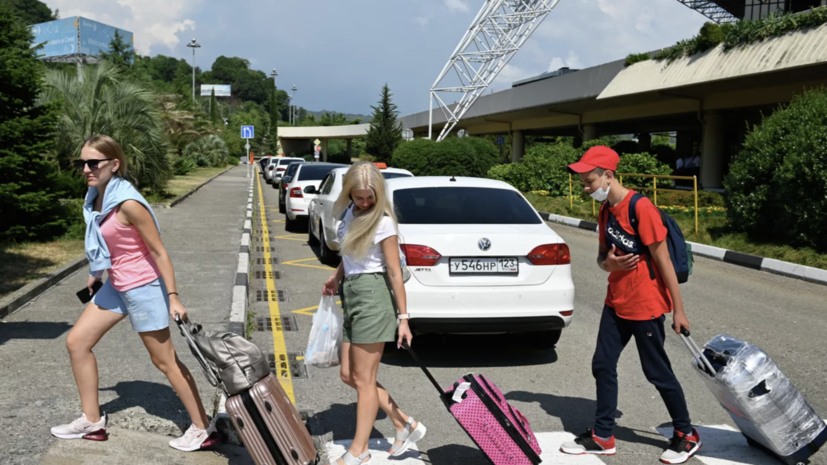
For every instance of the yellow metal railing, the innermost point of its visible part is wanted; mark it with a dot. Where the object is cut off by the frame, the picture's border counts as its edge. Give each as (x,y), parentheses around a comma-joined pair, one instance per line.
(654,189)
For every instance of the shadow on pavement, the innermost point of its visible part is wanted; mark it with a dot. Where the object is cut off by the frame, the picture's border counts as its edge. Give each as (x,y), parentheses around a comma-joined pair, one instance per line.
(342,421)
(577,415)
(158,400)
(454,453)
(32,330)
(470,350)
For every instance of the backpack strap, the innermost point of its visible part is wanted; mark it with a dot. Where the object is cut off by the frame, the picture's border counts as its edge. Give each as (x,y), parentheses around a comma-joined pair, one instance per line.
(633,220)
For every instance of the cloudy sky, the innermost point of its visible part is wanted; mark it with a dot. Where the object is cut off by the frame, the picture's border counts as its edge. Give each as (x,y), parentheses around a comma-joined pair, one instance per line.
(340,52)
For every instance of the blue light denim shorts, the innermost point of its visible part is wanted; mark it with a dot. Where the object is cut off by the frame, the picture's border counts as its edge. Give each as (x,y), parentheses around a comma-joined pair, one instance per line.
(147,306)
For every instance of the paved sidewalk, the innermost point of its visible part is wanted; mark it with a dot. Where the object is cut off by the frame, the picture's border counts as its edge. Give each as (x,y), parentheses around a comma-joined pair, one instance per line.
(37,388)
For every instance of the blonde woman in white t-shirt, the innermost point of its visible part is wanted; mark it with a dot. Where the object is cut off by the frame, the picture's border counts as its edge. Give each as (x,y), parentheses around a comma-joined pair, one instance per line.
(369,271)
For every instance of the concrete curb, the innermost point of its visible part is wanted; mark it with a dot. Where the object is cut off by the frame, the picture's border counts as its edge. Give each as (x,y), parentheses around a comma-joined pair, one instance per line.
(790,270)
(193,191)
(238,315)
(27,293)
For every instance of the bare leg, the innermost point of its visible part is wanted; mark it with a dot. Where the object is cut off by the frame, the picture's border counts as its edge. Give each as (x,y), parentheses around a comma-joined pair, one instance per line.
(364,363)
(163,355)
(93,323)
(386,402)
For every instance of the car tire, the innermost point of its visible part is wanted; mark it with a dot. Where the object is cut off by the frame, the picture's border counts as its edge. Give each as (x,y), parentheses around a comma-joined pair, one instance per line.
(311,239)
(290,225)
(327,256)
(545,339)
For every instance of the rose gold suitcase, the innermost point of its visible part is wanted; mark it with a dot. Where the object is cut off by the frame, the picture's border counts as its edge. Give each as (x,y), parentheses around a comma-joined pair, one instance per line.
(270,426)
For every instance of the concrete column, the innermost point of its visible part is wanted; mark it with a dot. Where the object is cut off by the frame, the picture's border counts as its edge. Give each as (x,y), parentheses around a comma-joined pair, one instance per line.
(517,146)
(590,132)
(644,141)
(349,148)
(324,149)
(713,153)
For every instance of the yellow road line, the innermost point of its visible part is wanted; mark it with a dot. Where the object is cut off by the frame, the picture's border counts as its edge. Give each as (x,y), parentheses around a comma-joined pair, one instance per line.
(279,346)
(298,263)
(309,311)
(292,237)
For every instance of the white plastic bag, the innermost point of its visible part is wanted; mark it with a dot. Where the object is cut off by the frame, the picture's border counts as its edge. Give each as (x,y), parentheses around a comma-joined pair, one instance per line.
(324,347)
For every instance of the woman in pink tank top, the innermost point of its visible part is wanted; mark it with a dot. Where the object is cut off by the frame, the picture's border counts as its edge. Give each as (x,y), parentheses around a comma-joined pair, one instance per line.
(141,286)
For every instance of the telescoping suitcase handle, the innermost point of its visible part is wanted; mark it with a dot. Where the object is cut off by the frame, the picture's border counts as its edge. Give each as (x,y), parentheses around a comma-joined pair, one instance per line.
(418,361)
(696,351)
(186,330)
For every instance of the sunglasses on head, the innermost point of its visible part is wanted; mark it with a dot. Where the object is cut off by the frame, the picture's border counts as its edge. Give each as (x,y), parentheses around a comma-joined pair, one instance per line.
(93,164)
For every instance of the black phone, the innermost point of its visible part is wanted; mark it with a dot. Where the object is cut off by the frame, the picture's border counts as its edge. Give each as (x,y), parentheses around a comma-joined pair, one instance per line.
(84,295)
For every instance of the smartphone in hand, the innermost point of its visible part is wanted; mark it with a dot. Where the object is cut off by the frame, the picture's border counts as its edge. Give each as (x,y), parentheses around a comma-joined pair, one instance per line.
(84,295)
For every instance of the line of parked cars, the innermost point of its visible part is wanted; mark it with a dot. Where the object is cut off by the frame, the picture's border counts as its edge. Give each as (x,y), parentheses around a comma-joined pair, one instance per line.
(481,258)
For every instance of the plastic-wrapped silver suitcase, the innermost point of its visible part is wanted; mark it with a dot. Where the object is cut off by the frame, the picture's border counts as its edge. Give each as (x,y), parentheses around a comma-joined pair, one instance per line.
(763,403)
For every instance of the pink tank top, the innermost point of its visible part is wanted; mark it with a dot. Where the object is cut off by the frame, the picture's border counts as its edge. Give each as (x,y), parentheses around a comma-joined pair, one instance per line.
(132,264)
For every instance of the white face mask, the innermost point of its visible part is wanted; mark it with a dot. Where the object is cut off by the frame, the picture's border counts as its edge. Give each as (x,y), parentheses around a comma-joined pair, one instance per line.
(601,194)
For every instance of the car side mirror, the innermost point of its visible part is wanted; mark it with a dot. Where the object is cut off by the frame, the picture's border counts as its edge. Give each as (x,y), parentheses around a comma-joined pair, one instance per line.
(310,190)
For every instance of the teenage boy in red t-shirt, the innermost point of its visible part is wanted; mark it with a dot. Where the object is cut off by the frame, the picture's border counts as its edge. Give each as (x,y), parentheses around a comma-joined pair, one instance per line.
(636,304)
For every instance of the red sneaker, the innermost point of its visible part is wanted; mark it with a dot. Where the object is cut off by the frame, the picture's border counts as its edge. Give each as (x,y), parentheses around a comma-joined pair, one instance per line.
(682,447)
(588,443)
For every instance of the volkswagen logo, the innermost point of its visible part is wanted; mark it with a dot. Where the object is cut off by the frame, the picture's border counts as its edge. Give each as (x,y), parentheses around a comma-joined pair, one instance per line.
(484,244)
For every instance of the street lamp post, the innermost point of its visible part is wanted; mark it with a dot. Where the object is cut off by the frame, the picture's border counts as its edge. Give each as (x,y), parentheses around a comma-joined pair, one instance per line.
(193,45)
(276,103)
(295,111)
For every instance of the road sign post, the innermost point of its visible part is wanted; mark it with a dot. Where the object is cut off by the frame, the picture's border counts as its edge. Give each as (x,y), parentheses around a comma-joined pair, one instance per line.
(248,132)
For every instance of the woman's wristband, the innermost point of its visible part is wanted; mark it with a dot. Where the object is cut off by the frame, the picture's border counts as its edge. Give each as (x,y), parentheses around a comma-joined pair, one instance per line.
(172,293)
(403,316)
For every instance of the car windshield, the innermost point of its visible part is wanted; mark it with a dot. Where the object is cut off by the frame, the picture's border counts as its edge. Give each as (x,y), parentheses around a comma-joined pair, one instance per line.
(395,175)
(313,172)
(462,205)
(291,169)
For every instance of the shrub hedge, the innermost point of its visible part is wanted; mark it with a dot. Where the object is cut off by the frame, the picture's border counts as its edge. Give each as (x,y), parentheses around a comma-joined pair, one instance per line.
(470,156)
(776,186)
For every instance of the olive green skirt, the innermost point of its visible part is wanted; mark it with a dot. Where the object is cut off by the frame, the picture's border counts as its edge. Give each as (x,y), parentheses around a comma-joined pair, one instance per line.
(369,309)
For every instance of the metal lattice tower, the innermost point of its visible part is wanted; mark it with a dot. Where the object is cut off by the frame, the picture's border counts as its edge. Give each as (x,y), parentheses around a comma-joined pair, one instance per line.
(711,10)
(496,34)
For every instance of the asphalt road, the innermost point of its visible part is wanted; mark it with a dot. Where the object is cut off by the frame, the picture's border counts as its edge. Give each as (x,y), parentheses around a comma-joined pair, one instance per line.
(555,388)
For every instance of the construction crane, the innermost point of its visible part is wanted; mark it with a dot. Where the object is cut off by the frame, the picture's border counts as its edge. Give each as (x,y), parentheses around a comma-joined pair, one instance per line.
(496,34)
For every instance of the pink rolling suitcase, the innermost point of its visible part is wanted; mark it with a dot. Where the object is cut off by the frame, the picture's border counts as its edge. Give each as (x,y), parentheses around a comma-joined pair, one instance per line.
(498,429)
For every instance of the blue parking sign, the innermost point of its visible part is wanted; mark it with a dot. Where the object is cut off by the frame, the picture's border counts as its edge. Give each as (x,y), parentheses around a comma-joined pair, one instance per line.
(501,140)
(248,132)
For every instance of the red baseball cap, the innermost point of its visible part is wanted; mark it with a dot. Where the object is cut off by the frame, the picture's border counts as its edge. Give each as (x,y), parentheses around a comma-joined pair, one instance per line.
(596,157)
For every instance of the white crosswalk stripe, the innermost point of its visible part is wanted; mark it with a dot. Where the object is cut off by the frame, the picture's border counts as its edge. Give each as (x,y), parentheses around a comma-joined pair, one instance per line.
(549,443)
(725,445)
(722,445)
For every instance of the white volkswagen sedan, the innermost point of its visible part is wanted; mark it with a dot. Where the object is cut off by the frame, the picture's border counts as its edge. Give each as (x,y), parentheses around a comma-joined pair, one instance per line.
(481,259)
(322,225)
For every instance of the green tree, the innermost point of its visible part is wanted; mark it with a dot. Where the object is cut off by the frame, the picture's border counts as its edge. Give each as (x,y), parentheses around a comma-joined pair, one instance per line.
(208,151)
(112,103)
(28,197)
(775,188)
(30,11)
(213,107)
(120,52)
(385,132)
(273,136)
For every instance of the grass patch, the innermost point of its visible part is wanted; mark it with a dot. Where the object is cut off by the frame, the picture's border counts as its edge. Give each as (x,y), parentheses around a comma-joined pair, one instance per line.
(180,185)
(21,264)
(713,229)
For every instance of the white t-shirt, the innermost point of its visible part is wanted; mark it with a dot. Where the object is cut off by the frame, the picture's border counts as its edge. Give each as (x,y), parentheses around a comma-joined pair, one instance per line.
(374,261)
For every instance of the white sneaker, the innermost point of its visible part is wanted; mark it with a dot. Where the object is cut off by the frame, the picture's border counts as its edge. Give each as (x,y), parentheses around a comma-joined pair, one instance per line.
(195,439)
(82,429)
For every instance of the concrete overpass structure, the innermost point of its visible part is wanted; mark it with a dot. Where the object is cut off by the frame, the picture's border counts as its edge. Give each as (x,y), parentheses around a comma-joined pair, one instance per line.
(709,99)
(299,140)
